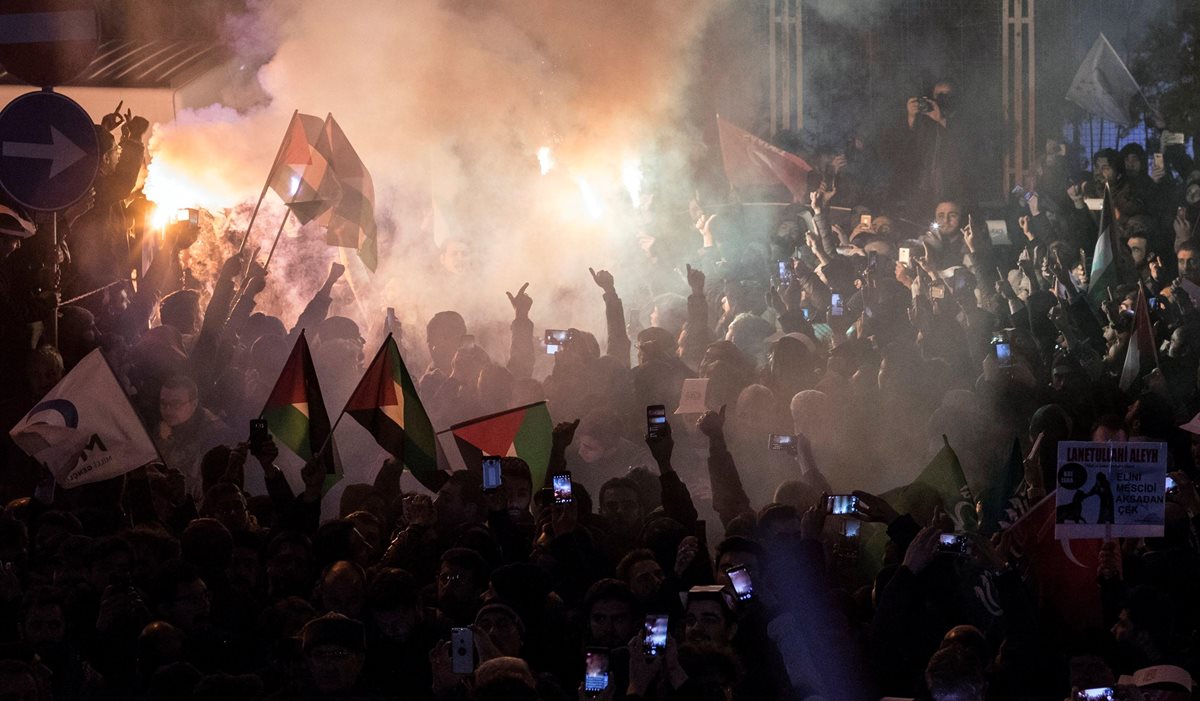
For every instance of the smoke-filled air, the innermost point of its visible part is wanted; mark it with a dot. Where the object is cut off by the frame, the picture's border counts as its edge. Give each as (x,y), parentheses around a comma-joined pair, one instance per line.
(509,126)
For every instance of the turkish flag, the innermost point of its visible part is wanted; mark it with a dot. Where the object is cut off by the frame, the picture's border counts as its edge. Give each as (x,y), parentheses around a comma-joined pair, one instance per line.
(751,161)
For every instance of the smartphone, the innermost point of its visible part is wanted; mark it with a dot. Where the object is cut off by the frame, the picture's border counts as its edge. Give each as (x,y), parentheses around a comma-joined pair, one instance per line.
(841,504)
(1004,355)
(805,311)
(780,441)
(561,484)
(1152,302)
(595,676)
(44,491)
(850,527)
(1158,163)
(905,255)
(953,543)
(655,634)
(937,292)
(785,272)
(739,577)
(462,651)
(835,305)
(491,473)
(258,433)
(555,338)
(656,421)
(1171,486)
(1099,693)
(865,219)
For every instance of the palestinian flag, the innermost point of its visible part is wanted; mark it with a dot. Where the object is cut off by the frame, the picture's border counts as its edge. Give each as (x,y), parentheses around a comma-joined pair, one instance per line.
(301,174)
(523,433)
(296,415)
(1105,272)
(351,222)
(385,402)
(1141,354)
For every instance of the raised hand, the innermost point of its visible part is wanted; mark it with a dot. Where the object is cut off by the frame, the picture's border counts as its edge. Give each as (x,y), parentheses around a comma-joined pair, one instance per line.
(695,280)
(704,226)
(563,434)
(521,302)
(712,423)
(603,279)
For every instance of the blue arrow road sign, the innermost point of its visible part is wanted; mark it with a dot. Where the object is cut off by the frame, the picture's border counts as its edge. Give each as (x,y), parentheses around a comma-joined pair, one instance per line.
(49,154)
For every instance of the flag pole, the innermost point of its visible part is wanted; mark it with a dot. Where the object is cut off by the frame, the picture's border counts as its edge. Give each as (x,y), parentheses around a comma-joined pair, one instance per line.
(266,185)
(276,241)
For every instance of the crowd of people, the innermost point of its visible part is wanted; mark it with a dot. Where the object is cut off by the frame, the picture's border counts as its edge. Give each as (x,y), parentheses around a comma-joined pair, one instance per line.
(868,339)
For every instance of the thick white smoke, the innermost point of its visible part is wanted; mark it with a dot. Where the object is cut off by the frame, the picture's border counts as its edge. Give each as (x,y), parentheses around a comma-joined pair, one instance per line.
(454,98)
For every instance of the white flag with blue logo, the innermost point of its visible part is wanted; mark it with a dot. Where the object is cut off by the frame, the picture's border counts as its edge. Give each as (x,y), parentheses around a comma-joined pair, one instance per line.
(85,430)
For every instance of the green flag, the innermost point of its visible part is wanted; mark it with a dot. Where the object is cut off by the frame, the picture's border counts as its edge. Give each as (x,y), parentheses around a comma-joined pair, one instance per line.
(1104,273)
(943,480)
(997,497)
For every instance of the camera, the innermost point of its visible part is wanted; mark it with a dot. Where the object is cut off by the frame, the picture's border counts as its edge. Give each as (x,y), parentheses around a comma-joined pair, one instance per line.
(925,105)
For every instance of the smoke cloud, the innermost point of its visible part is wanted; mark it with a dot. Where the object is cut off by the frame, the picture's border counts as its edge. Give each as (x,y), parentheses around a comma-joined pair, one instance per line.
(449,101)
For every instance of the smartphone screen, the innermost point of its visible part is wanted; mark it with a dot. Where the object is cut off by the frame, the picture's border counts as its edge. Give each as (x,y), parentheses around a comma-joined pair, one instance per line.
(491,473)
(1004,355)
(905,255)
(805,312)
(1171,486)
(561,483)
(595,677)
(258,432)
(785,272)
(655,634)
(954,543)
(555,338)
(779,441)
(1101,693)
(1158,163)
(739,577)
(656,420)
(841,504)
(865,219)
(835,305)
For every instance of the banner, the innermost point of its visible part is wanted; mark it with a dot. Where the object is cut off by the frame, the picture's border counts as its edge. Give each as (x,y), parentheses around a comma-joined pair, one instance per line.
(1110,490)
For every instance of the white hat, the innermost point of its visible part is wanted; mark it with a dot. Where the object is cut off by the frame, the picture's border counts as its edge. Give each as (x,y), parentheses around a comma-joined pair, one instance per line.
(1163,674)
(1192,426)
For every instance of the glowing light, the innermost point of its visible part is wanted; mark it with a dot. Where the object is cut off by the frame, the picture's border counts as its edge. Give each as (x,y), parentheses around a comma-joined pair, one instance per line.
(631,176)
(546,159)
(173,192)
(591,202)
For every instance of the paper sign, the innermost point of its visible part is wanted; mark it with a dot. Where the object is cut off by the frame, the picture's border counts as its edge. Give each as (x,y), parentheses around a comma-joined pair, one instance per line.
(1110,490)
(692,398)
(1094,203)
(998,232)
(1173,138)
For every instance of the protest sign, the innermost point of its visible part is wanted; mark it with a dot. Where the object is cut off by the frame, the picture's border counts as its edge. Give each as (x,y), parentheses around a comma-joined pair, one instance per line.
(1110,490)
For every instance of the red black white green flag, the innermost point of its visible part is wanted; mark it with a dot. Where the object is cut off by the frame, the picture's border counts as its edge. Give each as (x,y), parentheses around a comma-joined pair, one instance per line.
(301,174)
(524,432)
(385,402)
(295,411)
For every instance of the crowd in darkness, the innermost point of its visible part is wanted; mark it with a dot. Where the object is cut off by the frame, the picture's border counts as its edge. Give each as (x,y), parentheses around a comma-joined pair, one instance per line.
(873,343)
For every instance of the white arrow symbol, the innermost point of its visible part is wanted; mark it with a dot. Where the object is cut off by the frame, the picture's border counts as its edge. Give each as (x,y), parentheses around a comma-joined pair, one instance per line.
(61,152)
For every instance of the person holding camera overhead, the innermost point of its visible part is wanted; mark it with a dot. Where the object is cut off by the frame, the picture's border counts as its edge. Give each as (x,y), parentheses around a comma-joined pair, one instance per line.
(931,165)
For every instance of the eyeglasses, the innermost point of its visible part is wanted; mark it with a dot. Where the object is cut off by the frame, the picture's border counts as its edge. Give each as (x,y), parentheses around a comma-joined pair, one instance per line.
(449,578)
